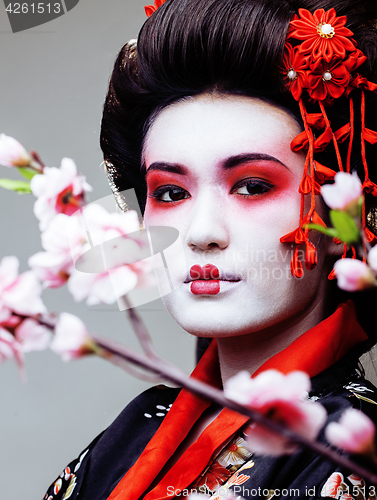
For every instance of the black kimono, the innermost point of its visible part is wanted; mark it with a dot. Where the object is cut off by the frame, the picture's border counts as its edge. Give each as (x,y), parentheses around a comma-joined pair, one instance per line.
(122,462)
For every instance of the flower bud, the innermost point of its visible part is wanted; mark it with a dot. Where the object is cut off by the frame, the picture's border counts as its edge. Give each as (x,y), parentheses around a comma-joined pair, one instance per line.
(71,338)
(353,433)
(372,258)
(12,153)
(344,194)
(354,275)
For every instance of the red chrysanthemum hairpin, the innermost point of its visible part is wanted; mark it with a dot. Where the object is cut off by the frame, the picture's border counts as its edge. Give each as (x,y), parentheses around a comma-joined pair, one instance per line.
(149,9)
(319,65)
(323,34)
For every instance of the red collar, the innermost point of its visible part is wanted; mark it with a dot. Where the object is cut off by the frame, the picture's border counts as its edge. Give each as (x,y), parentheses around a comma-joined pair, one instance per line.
(314,351)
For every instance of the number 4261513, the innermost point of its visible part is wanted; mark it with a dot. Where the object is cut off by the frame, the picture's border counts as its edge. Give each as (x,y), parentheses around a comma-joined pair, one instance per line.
(33,8)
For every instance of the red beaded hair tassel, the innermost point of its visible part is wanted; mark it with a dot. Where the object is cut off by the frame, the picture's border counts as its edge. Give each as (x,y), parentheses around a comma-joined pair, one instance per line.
(321,59)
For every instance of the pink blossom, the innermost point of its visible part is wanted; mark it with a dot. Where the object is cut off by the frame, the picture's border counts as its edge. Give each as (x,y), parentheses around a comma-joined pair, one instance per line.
(104,225)
(59,190)
(344,194)
(53,270)
(64,240)
(9,348)
(32,336)
(353,275)
(280,398)
(12,153)
(372,258)
(5,313)
(20,334)
(19,293)
(99,288)
(106,287)
(354,432)
(71,338)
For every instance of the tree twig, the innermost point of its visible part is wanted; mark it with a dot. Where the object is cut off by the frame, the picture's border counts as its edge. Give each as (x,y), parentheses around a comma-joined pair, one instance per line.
(141,331)
(113,351)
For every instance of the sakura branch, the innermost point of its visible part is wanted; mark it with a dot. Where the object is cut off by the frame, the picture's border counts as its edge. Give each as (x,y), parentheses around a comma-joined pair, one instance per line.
(277,412)
(20,309)
(280,418)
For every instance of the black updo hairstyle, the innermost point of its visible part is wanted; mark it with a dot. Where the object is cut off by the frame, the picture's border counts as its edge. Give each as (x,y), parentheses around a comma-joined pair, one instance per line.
(190,47)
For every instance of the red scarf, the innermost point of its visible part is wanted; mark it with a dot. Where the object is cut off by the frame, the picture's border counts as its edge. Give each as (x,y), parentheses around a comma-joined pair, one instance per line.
(314,351)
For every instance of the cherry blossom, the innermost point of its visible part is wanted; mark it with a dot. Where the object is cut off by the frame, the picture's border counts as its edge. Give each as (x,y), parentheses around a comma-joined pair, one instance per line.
(12,153)
(58,190)
(64,240)
(11,348)
(53,270)
(32,335)
(372,258)
(344,194)
(106,287)
(102,288)
(355,432)
(19,300)
(19,293)
(353,275)
(281,398)
(71,339)
(68,238)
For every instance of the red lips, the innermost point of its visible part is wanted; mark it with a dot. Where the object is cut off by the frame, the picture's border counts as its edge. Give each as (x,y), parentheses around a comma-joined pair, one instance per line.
(205,279)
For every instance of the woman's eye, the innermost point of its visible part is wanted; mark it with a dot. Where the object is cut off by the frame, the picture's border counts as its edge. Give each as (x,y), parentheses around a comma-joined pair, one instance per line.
(168,195)
(251,188)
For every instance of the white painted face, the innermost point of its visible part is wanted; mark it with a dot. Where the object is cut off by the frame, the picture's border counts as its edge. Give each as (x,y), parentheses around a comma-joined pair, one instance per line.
(220,169)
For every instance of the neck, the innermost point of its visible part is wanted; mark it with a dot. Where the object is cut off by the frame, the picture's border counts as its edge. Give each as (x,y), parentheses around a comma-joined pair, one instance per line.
(250,351)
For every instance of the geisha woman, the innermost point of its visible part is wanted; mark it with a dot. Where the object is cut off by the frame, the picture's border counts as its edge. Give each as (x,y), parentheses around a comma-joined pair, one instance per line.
(226,117)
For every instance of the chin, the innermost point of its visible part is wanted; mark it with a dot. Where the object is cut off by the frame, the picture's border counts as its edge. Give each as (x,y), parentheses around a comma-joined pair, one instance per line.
(215,318)
(202,320)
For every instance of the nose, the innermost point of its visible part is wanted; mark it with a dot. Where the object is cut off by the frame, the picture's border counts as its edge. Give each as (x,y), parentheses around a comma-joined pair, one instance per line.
(208,228)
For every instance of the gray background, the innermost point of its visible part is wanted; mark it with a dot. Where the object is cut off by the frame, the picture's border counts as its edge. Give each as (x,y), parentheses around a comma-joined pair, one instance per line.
(53,82)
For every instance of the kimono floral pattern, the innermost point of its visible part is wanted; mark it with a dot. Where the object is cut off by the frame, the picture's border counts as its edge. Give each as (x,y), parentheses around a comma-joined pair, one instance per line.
(351,487)
(224,469)
(64,486)
(360,391)
(236,479)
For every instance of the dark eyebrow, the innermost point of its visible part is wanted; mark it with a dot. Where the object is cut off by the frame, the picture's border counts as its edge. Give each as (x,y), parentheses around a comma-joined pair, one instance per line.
(235,161)
(232,161)
(175,168)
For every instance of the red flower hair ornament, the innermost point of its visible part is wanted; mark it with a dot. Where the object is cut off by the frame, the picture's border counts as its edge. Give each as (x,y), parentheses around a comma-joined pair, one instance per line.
(319,65)
(149,9)
(323,34)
